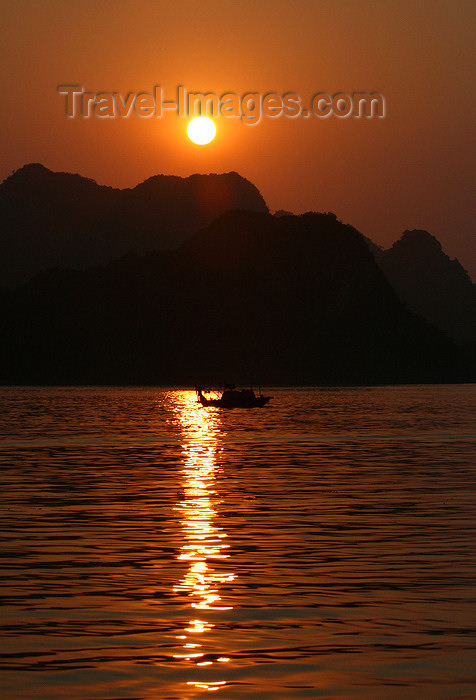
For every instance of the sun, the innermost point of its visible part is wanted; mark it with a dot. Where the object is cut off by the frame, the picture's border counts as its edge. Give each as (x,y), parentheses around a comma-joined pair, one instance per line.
(201,130)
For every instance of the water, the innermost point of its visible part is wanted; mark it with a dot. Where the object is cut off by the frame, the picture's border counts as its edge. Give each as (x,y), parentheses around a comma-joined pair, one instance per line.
(323,546)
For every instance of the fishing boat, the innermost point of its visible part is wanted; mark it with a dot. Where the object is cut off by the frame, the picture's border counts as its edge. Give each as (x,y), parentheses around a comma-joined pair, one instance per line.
(232,398)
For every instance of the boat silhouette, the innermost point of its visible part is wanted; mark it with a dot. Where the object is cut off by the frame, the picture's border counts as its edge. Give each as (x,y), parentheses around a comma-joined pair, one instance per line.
(232,398)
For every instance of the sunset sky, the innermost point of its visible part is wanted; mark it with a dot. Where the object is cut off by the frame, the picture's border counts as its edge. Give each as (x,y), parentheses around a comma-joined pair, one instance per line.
(411,169)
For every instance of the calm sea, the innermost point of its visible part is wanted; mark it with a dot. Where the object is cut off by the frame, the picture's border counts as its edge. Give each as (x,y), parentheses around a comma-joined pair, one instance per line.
(324,546)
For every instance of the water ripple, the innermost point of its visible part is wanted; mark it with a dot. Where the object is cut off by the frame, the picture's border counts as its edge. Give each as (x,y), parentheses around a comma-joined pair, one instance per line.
(322,546)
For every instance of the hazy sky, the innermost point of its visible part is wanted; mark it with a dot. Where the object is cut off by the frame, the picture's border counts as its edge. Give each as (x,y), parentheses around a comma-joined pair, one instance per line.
(411,169)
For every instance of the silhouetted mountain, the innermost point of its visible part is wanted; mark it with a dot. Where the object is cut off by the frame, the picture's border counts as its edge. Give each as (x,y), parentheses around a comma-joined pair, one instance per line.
(282,212)
(374,248)
(289,300)
(431,284)
(52,219)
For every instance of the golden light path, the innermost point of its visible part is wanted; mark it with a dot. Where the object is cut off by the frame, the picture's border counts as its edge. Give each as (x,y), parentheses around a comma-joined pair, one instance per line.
(204,542)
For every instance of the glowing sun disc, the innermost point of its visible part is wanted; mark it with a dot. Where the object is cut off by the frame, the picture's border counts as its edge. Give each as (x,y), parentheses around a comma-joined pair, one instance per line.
(201,130)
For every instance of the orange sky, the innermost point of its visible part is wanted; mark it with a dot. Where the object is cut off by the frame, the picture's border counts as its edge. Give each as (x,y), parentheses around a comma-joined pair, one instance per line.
(408,170)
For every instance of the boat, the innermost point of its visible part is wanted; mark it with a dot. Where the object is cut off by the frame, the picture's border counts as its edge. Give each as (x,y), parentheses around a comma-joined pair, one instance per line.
(233,398)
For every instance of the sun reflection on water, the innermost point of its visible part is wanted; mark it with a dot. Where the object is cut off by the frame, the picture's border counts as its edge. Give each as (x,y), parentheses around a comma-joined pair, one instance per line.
(204,542)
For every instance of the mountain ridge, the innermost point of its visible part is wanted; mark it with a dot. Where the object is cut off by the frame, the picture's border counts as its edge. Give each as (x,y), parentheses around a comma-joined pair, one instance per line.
(50,219)
(281,300)
(55,219)
(430,283)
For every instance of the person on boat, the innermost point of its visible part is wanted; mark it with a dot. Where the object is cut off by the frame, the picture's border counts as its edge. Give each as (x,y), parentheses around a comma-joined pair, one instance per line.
(236,397)
(248,393)
(229,392)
